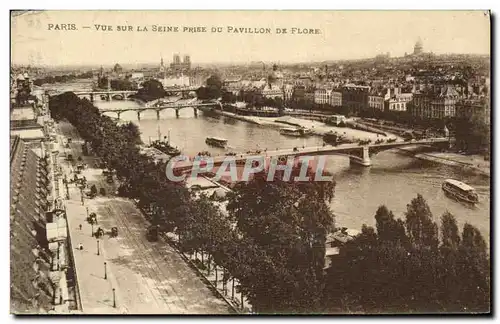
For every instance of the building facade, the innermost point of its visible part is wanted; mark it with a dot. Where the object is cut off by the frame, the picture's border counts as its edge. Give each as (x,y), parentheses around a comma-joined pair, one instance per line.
(355,97)
(376,102)
(395,100)
(178,66)
(328,96)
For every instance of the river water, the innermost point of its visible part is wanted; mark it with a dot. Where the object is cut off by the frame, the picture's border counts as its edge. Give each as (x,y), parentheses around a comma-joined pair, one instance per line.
(393,179)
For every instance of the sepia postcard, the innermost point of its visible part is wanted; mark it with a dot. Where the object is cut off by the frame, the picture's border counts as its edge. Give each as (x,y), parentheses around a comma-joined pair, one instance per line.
(250,162)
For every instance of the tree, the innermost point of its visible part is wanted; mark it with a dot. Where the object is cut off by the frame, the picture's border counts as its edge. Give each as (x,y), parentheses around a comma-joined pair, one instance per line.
(151,90)
(119,84)
(419,225)
(450,233)
(389,229)
(282,231)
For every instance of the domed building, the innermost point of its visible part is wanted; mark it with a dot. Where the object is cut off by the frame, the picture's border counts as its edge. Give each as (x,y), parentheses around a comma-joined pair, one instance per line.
(418,48)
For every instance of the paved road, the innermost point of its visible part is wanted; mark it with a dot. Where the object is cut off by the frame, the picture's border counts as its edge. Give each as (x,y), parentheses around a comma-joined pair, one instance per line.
(152,278)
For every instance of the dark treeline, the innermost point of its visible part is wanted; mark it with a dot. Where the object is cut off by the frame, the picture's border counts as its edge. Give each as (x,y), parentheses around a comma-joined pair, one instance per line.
(272,238)
(62,78)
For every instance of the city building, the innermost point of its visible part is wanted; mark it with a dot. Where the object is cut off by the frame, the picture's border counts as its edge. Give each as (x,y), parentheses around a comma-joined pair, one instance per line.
(443,105)
(288,92)
(395,100)
(309,96)
(355,97)
(178,66)
(435,104)
(477,108)
(272,91)
(176,81)
(40,267)
(328,96)
(418,48)
(376,102)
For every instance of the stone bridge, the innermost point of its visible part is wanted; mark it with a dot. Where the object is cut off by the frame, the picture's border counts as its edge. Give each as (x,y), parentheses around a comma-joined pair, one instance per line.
(358,154)
(108,94)
(158,109)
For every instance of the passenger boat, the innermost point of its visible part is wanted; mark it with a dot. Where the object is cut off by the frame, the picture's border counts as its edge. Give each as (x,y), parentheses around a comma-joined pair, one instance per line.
(216,141)
(295,132)
(460,190)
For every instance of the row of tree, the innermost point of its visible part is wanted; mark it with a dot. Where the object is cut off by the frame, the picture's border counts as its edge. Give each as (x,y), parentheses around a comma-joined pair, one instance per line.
(62,78)
(275,250)
(272,237)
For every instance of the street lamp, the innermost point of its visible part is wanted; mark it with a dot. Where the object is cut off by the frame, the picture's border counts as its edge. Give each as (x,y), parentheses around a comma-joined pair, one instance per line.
(92,227)
(105,271)
(98,251)
(114,298)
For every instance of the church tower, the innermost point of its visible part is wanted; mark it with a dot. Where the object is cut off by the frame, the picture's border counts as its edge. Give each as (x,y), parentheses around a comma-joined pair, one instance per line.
(162,67)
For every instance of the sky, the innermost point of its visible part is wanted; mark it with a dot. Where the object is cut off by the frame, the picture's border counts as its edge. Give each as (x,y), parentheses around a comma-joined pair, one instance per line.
(37,38)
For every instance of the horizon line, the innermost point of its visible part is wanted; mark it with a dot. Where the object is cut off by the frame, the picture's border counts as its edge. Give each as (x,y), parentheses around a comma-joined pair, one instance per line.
(243,62)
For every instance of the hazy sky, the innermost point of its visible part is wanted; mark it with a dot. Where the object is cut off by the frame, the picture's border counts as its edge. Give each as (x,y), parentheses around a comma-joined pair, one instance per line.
(343,35)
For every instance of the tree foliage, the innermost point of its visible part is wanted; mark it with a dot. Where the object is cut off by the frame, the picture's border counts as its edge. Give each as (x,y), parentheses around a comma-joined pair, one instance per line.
(403,267)
(212,90)
(151,90)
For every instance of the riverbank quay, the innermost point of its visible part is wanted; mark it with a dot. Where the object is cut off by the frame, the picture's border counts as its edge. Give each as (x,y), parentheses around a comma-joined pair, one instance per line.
(317,128)
(471,163)
(149,278)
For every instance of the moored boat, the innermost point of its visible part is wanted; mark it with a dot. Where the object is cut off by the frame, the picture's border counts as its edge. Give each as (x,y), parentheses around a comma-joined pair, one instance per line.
(295,132)
(216,141)
(165,147)
(460,191)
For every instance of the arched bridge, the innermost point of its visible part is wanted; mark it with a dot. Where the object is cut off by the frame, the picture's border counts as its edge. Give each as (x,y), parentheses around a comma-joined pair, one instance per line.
(358,154)
(176,106)
(108,94)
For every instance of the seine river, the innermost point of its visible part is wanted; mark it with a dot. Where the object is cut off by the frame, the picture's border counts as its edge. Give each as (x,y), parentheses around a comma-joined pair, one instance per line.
(393,179)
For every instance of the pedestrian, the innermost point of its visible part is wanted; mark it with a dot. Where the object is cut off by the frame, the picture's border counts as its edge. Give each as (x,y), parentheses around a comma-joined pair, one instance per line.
(80,246)
(80,227)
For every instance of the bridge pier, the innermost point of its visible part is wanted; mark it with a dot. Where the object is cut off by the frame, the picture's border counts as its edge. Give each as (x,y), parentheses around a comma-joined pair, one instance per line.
(118,113)
(195,112)
(108,97)
(138,115)
(157,114)
(363,160)
(177,112)
(91,97)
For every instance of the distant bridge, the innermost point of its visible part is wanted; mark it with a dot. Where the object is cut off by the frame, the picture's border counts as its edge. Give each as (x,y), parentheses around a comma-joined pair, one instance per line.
(358,154)
(109,94)
(176,106)
(124,94)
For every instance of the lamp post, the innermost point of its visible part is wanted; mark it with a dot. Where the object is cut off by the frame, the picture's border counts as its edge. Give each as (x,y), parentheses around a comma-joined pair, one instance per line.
(105,271)
(92,227)
(98,252)
(114,298)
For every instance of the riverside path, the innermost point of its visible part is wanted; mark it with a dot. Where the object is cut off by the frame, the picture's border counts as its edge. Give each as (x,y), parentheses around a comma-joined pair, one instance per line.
(147,278)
